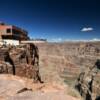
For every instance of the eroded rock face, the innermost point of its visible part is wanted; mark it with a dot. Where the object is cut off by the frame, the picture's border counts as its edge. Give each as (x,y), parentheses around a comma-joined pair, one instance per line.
(89,82)
(65,61)
(21,60)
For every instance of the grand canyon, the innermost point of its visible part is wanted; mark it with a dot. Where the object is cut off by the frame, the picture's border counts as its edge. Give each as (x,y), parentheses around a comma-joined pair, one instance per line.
(53,71)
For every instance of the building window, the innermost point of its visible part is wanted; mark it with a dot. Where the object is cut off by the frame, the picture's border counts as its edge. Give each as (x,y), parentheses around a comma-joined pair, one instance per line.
(8,30)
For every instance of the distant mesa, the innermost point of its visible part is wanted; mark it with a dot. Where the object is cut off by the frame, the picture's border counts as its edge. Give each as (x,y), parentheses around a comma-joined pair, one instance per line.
(35,41)
(39,39)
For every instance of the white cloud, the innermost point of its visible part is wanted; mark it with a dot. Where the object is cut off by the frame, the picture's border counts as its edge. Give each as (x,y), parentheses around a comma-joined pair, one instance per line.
(86,29)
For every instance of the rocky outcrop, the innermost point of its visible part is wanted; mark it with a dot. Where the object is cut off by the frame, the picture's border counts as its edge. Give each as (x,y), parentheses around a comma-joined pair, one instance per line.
(22,60)
(88,82)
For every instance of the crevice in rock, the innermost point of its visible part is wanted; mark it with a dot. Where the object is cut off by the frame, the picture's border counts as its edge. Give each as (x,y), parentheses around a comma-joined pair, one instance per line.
(24,90)
(8,59)
(87,82)
(98,98)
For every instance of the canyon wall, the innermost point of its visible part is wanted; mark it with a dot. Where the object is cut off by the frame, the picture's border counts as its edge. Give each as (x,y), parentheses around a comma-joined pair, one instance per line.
(65,61)
(88,83)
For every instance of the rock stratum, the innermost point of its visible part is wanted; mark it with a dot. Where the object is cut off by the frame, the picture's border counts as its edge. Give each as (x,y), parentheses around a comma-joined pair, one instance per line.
(22,60)
(65,62)
(88,83)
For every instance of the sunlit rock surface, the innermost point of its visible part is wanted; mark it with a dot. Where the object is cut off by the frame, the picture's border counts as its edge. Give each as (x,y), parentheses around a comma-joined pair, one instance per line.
(22,60)
(19,88)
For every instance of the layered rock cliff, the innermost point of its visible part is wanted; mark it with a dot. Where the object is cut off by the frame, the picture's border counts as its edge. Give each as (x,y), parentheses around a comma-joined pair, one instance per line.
(22,60)
(65,61)
(88,83)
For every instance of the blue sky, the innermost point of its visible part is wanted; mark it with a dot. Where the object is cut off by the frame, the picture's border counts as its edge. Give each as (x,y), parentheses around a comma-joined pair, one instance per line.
(54,19)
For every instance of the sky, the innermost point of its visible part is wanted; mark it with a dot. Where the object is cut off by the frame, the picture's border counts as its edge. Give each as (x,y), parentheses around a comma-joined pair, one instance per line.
(54,20)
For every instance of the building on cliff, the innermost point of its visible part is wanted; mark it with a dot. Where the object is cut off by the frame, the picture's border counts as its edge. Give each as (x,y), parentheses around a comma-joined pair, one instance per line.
(10,34)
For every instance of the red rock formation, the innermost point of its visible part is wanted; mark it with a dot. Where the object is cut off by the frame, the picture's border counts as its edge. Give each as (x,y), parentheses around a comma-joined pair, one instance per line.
(21,61)
(88,82)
